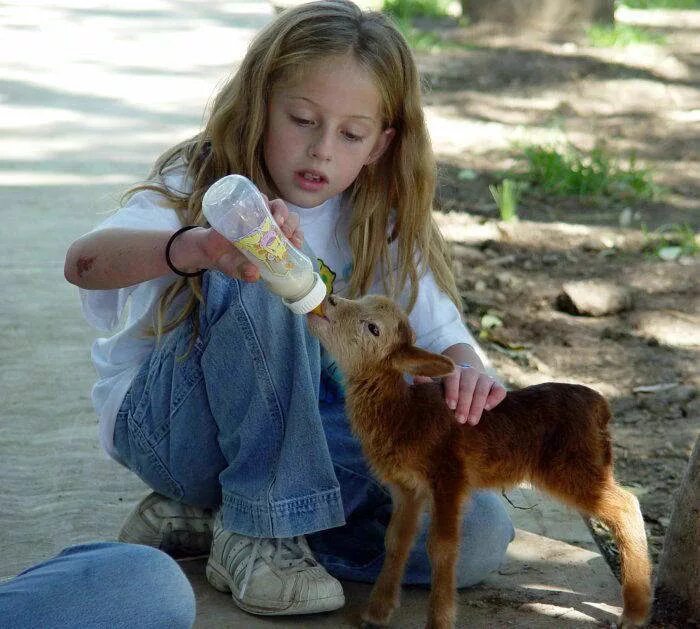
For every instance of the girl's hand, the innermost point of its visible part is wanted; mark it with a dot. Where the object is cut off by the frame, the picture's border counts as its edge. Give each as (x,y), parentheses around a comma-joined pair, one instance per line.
(222,255)
(469,392)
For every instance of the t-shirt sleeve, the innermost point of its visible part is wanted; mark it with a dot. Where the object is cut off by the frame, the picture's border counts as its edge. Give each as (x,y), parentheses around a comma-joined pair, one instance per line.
(436,320)
(147,209)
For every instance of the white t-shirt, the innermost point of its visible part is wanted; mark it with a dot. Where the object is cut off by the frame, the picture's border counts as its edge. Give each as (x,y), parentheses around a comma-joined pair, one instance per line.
(128,312)
(435,319)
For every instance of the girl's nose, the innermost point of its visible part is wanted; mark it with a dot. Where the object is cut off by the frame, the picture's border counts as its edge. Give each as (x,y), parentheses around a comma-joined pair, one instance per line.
(321,146)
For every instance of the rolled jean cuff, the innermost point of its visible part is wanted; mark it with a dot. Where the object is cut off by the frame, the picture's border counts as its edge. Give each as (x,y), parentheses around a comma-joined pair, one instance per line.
(284,518)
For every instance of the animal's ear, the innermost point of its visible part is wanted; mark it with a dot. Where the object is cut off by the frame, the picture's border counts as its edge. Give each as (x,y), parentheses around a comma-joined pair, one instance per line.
(419,362)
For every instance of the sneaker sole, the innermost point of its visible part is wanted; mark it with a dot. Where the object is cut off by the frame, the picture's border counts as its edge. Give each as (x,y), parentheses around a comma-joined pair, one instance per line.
(220,580)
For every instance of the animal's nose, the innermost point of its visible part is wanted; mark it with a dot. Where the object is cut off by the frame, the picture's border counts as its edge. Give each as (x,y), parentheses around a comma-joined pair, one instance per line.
(332,301)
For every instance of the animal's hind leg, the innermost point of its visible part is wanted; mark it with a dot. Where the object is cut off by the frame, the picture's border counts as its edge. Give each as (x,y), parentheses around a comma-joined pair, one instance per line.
(598,495)
(619,510)
(407,507)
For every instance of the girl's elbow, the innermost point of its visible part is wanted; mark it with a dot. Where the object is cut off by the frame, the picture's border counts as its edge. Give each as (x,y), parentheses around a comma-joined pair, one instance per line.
(73,265)
(69,274)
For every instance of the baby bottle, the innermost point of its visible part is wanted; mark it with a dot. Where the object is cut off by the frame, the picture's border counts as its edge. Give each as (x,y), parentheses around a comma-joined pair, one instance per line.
(236,209)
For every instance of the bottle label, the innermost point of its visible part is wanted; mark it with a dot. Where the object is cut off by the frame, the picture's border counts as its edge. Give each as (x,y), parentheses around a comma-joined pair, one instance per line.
(266,246)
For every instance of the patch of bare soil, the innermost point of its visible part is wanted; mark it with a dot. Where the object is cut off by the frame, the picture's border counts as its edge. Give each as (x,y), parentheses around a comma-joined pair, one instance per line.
(643,100)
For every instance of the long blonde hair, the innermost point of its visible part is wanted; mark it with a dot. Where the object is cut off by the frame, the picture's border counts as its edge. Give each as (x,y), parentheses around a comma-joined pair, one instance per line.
(402,181)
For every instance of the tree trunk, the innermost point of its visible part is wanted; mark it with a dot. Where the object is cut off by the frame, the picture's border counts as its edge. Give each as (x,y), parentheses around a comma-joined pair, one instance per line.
(677,593)
(552,16)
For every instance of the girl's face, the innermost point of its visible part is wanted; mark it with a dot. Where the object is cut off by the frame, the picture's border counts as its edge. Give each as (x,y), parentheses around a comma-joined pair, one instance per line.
(322,129)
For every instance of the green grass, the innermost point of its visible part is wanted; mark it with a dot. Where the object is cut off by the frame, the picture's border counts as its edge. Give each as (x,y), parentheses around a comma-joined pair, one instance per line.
(606,36)
(427,41)
(420,39)
(506,197)
(407,9)
(661,4)
(669,242)
(573,173)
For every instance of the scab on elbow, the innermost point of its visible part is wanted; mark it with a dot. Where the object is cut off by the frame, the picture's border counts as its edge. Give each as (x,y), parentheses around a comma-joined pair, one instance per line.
(77,266)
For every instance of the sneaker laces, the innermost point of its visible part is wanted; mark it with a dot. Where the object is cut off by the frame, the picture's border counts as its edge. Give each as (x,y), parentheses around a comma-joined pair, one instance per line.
(284,553)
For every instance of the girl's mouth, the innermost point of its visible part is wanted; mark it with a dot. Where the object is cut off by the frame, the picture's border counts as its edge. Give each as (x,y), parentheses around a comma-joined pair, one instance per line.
(310,180)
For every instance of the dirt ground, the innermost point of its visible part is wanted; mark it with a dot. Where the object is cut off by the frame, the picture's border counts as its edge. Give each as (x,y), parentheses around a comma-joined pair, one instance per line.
(643,99)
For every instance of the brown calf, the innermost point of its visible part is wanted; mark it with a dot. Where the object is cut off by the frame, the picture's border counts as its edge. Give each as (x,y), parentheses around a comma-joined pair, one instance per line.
(553,435)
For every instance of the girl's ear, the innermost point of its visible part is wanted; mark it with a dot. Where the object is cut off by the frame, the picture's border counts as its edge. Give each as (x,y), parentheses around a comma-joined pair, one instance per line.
(419,362)
(381,145)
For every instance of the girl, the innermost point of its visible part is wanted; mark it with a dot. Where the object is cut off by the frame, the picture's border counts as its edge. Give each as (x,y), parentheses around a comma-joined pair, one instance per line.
(227,404)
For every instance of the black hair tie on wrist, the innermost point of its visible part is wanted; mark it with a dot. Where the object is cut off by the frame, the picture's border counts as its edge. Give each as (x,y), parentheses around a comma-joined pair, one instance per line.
(167,253)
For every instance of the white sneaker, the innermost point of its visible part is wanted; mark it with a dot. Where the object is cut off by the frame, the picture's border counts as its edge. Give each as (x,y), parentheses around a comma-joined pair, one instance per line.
(177,529)
(271,577)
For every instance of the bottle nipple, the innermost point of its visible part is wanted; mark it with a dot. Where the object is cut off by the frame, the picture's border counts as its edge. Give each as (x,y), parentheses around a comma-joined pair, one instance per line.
(318,310)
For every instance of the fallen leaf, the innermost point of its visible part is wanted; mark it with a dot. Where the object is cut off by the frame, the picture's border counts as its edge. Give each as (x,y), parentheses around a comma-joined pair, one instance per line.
(653,388)
(467,174)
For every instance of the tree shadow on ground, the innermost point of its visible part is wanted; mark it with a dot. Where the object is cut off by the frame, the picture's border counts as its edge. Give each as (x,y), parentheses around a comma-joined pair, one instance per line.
(174,18)
(507,69)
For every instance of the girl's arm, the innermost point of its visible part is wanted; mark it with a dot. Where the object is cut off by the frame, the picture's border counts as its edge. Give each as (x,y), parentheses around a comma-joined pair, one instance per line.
(115,257)
(464,354)
(468,390)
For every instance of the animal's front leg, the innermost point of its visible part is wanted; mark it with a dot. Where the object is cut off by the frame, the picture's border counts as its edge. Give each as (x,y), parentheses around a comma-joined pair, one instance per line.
(443,544)
(407,507)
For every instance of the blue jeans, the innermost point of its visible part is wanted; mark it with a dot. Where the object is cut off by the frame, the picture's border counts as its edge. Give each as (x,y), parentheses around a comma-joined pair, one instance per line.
(101,586)
(237,423)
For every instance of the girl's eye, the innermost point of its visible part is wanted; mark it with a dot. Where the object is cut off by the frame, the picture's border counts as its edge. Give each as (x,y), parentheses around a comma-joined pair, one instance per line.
(373,328)
(302,121)
(351,137)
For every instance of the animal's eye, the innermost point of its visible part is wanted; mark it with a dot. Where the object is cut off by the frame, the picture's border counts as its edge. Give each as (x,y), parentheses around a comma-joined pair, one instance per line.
(373,328)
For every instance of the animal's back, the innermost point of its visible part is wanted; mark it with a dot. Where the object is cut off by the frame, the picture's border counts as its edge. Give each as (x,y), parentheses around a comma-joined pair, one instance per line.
(541,427)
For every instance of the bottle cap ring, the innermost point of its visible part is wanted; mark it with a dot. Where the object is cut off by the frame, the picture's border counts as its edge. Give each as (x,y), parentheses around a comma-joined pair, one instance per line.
(309,301)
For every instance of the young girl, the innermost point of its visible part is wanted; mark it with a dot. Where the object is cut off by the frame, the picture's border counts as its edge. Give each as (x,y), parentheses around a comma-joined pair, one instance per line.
(212,391)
